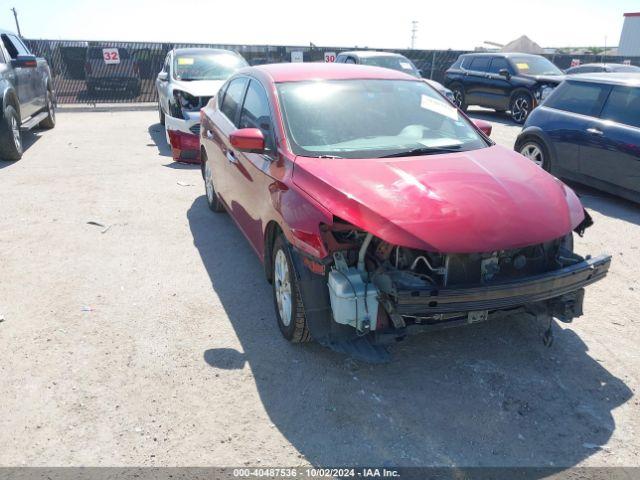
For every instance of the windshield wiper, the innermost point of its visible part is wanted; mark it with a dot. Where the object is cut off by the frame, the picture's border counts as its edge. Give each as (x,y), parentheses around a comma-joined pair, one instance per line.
(422,151)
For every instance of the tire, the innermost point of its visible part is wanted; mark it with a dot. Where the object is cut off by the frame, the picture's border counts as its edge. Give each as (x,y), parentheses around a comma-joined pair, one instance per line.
(215,205)
(10,139)
(291,320)
(160,113)
(49,122)
(459,99)
(536,151)
(520,107)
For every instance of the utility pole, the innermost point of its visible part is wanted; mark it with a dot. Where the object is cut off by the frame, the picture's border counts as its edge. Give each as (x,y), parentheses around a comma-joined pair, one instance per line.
(15,15)
(414,30)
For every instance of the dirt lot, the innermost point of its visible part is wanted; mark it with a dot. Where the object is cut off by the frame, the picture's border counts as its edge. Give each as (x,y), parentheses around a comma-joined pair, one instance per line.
(155,343)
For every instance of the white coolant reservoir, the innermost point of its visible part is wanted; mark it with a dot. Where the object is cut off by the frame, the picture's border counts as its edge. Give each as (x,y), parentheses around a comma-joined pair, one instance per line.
(354,301)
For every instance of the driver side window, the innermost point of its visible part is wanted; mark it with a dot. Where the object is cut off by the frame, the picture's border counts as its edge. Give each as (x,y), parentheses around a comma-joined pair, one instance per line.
(256,113)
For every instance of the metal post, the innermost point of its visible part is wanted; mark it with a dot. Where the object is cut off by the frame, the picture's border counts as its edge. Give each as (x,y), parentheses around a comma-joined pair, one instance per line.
(414,29)
(15,15)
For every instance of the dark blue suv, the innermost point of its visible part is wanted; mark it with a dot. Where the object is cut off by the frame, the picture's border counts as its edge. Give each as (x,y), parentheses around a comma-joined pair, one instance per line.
(588,130)
(503,81)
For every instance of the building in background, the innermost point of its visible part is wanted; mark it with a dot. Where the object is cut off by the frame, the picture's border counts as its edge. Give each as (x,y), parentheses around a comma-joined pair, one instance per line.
(630,38)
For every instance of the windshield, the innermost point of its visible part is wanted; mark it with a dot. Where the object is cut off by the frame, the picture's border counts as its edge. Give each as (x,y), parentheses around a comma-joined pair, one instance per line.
(372,118)
(401,64)
(206,66)
(531,65)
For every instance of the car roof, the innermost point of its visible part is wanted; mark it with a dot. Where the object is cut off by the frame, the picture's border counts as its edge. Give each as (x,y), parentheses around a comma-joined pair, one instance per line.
(500,54)
(197,50)
(371,53)
(631,79)
(297,72)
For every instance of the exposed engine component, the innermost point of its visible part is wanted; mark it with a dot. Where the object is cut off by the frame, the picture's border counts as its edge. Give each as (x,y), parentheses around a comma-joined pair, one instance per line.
(427,289)
(354,300)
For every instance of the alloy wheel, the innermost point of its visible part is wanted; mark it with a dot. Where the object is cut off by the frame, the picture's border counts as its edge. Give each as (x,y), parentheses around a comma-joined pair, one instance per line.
(50,108)
(458,98)
(534,153)
(521,108)
(15,129)
(283,287)
(208,182)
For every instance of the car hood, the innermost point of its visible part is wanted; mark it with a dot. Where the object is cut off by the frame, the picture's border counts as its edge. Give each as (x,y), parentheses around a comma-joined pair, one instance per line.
(554,79)
(199,88)
(477,201)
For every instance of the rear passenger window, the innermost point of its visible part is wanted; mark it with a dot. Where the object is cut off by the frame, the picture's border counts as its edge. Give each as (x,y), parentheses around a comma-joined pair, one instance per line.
(623,106)
(480,64)
(578,97)
(256,113)
(233,98)
(499,63)
(14,46)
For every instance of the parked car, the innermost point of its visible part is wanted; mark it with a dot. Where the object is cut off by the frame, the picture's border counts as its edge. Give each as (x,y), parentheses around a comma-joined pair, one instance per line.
(28,98)
(394,61)
(111,69)
(189,78)
(588,130)
(516,82)
(380,210)
(602,67)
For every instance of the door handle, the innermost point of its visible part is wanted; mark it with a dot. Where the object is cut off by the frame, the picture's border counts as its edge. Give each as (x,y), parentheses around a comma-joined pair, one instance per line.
(595,131)
(231,156)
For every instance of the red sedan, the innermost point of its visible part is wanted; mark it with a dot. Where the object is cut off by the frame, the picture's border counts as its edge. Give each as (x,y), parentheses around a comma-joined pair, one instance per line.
(379,210)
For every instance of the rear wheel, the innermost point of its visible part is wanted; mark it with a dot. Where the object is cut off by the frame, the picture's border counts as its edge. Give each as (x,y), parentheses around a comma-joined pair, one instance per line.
(10,139)
(459,99)
(50,121)
(160,113)
(286,295)
(212,196)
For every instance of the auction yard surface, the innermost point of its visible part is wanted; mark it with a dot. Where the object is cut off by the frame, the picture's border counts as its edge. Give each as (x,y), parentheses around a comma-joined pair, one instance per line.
(155,343)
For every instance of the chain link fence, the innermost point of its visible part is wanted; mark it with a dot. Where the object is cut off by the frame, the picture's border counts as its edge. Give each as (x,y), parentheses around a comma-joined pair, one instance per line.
(110,71)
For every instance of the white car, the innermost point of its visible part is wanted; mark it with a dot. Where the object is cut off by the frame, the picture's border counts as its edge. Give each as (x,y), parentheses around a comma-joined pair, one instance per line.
(188,79)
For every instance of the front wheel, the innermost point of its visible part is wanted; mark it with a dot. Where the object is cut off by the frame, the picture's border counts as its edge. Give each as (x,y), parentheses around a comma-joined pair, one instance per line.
(10,139)
(286,295)
(536,152)
(160,113)
(459,99)
(521,106)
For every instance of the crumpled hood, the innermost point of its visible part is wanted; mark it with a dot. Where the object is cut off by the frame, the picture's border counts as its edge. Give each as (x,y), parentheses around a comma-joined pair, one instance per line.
(477,201)
(553,79)
(199,88)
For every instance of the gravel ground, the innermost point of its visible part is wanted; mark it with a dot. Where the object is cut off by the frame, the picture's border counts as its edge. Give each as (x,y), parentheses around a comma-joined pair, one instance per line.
(154,342)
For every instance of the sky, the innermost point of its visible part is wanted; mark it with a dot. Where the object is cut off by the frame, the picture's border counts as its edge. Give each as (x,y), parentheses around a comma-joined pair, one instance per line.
(459,25)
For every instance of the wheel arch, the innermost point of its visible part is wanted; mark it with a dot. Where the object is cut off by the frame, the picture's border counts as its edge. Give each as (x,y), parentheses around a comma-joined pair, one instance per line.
(271,232)
(517,91)
(10,97)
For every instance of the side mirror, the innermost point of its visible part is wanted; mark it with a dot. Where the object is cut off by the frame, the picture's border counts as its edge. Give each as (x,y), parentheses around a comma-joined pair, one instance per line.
(25,61)
(163,76)
(248,140)
(504,73)
(484,127)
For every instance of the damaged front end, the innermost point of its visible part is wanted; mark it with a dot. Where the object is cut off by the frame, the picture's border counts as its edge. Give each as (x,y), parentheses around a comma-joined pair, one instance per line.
(385,292)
